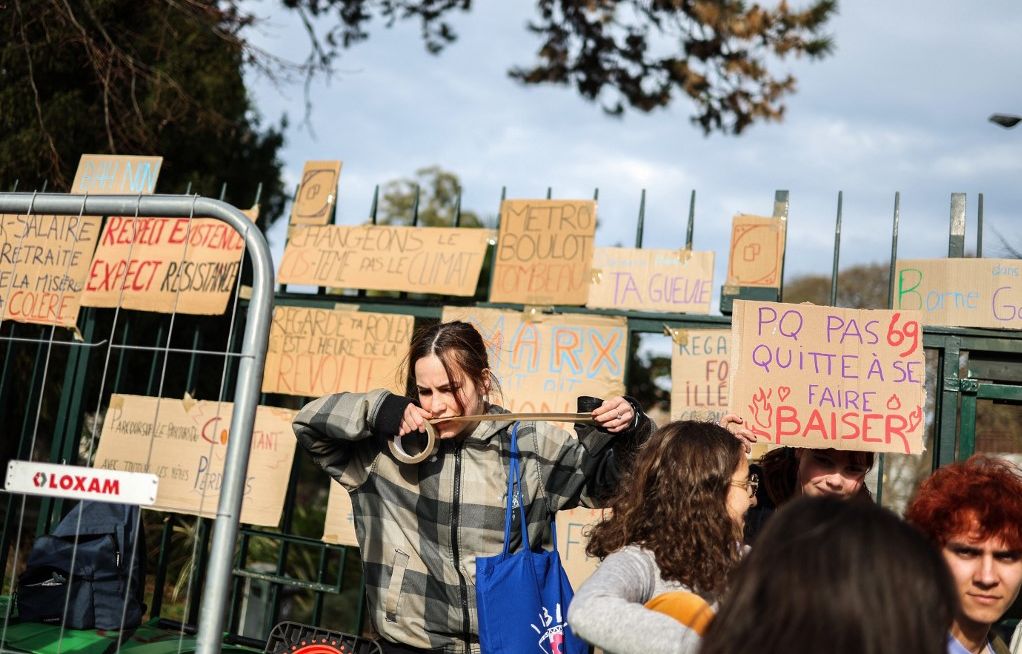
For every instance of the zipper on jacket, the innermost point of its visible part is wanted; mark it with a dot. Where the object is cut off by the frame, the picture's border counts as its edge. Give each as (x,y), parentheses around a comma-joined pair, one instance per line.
(466,622)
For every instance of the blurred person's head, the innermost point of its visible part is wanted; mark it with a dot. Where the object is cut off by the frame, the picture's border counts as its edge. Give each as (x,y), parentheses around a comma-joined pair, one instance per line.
(839,577)
(684,498)
(791,472)
(972,511)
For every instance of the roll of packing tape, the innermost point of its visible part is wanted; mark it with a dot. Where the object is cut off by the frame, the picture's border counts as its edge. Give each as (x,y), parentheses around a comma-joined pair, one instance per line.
(399,452)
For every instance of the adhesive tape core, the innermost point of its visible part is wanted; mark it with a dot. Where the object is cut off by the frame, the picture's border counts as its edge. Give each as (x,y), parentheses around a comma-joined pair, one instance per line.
(398,450)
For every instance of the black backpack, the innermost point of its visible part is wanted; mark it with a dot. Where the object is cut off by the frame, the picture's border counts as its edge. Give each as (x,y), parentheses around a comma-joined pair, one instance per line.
(108,580)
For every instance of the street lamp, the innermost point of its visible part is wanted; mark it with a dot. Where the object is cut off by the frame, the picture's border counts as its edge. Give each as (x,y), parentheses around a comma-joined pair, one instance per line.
(1006,121)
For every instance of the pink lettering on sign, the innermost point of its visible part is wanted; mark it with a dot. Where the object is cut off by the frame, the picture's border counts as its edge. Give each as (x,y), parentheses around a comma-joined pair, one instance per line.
(811,376)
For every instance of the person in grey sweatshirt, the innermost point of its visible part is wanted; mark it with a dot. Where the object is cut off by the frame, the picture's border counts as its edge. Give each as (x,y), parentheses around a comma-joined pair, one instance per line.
(672,540)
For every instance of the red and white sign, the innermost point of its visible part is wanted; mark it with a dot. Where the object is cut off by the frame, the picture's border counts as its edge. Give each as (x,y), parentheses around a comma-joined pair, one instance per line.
(78,483)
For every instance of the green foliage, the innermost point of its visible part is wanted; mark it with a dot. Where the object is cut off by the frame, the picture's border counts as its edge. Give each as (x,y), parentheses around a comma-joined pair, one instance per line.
(859,287)
(720,54)
(646,369)
(438,193)
(121,77)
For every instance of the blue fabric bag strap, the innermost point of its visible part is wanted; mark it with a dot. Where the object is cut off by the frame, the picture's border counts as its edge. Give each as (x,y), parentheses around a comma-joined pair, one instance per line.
(514,490)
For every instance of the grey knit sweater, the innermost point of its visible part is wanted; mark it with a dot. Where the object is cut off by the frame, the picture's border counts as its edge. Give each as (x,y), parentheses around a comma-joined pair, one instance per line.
(608,610)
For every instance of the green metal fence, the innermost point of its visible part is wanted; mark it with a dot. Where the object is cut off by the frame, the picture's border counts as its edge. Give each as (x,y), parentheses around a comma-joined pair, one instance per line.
(288,572)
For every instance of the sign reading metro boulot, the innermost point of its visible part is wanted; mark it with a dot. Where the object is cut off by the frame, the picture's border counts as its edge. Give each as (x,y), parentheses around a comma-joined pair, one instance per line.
(825,377)
(544,252)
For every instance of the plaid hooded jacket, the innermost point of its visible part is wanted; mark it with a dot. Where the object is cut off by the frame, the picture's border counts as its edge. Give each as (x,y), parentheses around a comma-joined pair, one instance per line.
(421,527)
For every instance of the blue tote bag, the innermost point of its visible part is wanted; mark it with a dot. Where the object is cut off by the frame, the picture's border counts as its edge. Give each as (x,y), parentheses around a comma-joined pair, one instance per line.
(523,597)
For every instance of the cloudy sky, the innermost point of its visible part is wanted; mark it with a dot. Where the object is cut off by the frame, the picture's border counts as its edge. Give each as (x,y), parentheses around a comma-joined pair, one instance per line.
(901,105)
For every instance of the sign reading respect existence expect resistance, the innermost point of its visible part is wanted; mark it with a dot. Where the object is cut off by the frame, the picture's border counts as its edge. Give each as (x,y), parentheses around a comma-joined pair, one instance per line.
(809,376)
(165,265)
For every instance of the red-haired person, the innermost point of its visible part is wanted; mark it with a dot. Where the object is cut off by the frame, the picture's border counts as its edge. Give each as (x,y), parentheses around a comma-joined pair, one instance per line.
(972,511)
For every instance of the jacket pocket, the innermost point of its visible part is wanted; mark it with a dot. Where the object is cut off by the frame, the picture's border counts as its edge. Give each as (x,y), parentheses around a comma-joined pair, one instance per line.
(397,577)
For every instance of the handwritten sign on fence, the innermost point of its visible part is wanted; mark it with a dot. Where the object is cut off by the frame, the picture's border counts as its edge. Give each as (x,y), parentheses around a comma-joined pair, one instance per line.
(317,193)
(314,352)
(165,265)
(962,292)
(808,376)
(339,527)
(44,261)
(572,539)
(757,251)
(543,363)
(114,174)
(651,280)
(444,260)
(184,442)
(700,367)
(544,252)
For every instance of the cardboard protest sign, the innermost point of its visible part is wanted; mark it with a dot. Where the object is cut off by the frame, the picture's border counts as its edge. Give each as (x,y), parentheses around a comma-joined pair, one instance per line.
(44,261)
(444,260)
(115,174)
(700,367)
(674,281)
(572,539)
(314,352)
(757,251)
(252,213)
(543,363)
(961,292)
(184,442)
(339,527)
(808,376)
(165,265)
(544,252)
(317,193)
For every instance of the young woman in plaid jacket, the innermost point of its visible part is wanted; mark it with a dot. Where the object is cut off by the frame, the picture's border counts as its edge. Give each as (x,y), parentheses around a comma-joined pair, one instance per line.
(421,527)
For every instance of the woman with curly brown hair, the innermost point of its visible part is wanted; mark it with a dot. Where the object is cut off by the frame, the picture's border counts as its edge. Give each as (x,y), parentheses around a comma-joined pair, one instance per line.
(676,526)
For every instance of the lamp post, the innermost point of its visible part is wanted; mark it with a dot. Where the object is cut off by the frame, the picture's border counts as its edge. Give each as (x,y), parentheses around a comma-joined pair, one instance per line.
(1007,121)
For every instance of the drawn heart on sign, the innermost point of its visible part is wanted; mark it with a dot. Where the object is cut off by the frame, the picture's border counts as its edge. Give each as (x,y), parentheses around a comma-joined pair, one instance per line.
(783,392)
(893,403)
(915,418)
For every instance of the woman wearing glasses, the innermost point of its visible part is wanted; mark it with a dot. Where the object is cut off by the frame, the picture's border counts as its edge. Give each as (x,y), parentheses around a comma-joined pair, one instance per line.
(790,472)
(669,545)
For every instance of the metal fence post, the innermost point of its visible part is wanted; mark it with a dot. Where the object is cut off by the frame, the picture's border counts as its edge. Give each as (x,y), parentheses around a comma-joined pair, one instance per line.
(215,598)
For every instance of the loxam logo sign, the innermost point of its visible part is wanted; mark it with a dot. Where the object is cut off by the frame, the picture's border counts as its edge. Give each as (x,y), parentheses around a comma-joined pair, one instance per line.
(80,483)
(83,483)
